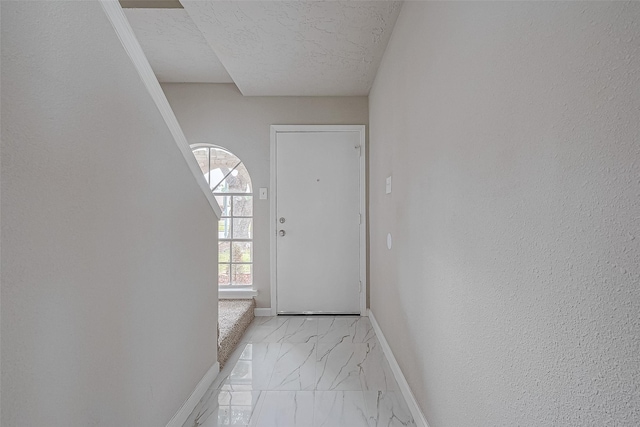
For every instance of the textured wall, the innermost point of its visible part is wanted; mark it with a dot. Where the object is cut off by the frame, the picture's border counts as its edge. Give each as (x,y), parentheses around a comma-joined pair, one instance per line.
(109,304)
(219,114)
(512,293)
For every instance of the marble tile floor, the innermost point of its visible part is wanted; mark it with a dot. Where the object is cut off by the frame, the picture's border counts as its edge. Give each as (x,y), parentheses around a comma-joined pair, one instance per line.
(293,371)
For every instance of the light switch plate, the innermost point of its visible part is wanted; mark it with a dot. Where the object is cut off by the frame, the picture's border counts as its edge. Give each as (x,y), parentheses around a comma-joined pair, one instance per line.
(263,193)
(388,190)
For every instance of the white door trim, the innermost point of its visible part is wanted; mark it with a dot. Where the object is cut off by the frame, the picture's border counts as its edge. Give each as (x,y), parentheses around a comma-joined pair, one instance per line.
(275,129)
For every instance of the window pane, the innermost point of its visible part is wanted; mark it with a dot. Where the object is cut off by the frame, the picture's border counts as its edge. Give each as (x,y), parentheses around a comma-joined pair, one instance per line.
(225,204)
(222,162)
(202,157)
(235,180)
(242,228)
(242,205)
(215,176)
(241,274)
(223,274)
(242,251)
(224,253)
(224,228)
(223,158)
(228,174)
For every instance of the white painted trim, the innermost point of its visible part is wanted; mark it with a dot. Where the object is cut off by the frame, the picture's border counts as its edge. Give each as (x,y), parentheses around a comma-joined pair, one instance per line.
(189,405)
(363,222)
(130,43)
(275,129)
(236,293)
(262,312)
(417,414)
(272,222)
(318,128)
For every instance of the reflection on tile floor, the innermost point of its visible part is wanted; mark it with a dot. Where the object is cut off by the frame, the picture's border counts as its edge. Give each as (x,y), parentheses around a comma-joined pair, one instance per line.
(305,371)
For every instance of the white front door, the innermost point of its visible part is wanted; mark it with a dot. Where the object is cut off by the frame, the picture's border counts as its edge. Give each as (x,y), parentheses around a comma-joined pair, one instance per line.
(318,221)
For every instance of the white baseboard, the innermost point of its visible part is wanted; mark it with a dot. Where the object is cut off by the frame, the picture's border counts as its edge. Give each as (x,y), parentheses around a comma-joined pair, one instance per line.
(417,414)
(189,405)
(237,293)
(260,312)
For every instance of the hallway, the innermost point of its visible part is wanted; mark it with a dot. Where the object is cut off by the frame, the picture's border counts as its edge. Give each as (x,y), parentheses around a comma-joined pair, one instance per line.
(501,212)
(305,371)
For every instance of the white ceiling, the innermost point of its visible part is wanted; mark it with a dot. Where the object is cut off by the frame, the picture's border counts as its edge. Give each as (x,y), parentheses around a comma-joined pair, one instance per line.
(175,47)
(270,48)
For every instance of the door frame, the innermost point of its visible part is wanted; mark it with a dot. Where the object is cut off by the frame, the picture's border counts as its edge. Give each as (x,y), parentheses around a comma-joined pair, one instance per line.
(275,130)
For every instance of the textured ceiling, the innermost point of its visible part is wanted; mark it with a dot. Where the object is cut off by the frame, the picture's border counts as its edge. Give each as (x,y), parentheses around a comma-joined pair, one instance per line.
(175,47)
(297,48)
(158,4)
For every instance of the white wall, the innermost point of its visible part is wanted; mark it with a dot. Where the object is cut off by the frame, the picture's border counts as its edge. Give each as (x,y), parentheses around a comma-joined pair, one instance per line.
(108,244)
(512,293)
(219,114)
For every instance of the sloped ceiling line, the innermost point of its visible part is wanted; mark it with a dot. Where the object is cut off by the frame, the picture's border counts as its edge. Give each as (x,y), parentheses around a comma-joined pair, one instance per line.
(297,48)
(271,48)
(175,47)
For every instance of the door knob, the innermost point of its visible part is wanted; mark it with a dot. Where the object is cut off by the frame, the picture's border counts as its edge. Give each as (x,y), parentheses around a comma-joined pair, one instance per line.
(282,220)
(282,233)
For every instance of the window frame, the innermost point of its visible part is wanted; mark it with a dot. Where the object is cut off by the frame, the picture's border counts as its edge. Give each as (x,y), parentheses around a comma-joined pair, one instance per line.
(231,218)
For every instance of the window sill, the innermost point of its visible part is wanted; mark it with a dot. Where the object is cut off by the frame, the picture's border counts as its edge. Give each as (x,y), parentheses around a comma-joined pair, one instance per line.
(246,293)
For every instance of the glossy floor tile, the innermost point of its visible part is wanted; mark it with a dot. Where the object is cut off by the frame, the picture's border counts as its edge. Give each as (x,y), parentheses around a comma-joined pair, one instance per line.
(342,408)
(305,371)
(286,408)
(295,367)
(339,365)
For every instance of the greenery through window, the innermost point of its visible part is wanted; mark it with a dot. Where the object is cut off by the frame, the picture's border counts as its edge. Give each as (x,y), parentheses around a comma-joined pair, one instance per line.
(230,182)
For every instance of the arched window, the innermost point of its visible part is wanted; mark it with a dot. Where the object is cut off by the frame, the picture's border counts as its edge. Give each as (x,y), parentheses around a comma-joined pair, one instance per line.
(230,182)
